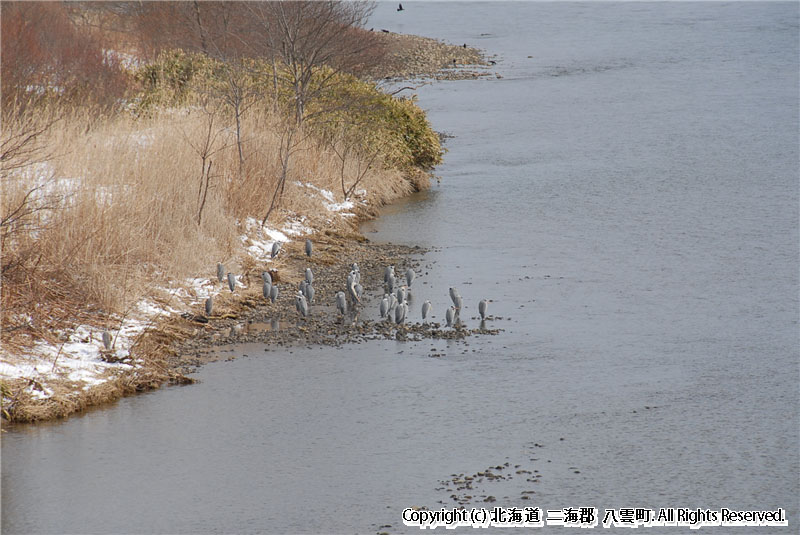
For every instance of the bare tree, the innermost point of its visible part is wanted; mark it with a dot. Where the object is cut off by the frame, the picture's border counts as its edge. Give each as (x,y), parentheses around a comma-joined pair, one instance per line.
(206,148)
(310,44)
(315,41)
(24,200)
(291,141)
(348,147)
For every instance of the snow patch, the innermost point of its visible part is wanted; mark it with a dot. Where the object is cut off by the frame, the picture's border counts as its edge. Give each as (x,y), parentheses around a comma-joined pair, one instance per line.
(330,200)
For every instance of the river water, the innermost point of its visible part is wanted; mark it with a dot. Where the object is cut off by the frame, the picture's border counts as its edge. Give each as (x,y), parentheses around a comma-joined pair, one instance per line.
(626,194)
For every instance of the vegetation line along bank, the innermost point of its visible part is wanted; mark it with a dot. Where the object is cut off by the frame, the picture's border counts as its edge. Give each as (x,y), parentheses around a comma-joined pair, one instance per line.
(143,143)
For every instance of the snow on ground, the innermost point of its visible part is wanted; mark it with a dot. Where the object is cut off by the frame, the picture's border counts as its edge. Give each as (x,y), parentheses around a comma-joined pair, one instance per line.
(259,240)
(77,359)
(329,200)
(80,357)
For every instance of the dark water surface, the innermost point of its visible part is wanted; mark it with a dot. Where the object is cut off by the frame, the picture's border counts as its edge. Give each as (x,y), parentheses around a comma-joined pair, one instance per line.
(627,196)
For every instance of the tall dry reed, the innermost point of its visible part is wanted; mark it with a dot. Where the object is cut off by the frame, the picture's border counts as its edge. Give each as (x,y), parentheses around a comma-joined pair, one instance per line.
(135,204)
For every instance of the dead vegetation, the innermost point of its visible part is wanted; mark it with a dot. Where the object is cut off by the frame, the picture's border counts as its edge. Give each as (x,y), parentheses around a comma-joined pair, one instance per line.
(102,208)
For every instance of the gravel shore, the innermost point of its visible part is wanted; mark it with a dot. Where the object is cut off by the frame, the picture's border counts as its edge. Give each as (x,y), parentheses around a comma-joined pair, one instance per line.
(254,319)
(178,344)
(251,318)
(413,57)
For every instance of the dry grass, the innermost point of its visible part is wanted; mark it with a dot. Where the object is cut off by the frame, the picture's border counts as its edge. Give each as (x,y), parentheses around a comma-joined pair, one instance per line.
(121,220)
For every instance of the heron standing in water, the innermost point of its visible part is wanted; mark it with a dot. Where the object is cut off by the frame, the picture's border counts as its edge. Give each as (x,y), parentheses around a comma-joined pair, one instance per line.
(426,308)
(384,308)
(450,316)
(410,276)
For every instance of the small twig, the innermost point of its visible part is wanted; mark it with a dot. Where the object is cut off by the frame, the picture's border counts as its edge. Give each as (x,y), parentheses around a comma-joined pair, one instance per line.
(406,88)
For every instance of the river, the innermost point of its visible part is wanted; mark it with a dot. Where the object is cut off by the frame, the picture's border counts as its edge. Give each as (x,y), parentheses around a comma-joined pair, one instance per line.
(625,191)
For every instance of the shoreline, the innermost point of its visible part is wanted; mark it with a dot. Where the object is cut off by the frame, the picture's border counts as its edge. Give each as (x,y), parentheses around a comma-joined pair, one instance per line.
(176,339)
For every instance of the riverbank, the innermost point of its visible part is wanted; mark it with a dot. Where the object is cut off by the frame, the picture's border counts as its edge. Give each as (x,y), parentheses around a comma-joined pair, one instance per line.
(53,372)
(416,57)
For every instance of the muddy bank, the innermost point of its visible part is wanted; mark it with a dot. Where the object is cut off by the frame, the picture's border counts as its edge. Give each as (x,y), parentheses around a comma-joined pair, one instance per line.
(252,318)
(416,57)
(179,344)
(175,344)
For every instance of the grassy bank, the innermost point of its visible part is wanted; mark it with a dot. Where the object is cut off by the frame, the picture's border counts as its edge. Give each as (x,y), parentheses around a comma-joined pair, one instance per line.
(114,219)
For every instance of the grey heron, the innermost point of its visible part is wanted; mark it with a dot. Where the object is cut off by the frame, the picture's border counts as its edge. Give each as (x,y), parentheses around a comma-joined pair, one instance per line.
(400,313)
(276,248)
(309,247)
(391,282)
(309,293)
(450,316)
(309,276)
(301,304)
(220,272)
(266,277)
(482,306)
(384,305)
(351,288)
(410,276)
(107,340)
(341,303)
(426,308)
(266,288)
(389,271)
(273,293)
(209,305)
(454,295)
(231,281)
